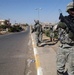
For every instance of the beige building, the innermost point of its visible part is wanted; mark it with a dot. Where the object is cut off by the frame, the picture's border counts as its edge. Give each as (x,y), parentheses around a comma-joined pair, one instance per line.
(46,26)
(5,22)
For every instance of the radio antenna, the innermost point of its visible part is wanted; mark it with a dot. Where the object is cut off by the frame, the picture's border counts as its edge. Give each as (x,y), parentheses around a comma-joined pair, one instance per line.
(73,3)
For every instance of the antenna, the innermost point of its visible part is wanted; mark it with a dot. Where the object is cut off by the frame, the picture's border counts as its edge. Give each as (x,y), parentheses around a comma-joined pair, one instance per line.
(73,3)
(60,11)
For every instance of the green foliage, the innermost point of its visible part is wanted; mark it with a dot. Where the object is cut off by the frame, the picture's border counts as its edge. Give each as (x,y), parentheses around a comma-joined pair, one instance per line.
(56,34)
(47,33)
(3,26)
(15,29)
(26,24)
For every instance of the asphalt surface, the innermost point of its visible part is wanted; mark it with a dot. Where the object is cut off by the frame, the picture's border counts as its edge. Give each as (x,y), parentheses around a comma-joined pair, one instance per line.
(16,54)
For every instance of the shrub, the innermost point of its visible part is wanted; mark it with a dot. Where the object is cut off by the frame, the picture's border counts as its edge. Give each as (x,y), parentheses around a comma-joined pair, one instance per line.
(56,34)
(3,26)
(15,29)
(47,33)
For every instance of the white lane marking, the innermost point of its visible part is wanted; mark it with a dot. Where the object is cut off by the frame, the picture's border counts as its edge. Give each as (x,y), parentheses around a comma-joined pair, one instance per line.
(29,72)
(29,43)
(35,51)
(30,61)
(40,71)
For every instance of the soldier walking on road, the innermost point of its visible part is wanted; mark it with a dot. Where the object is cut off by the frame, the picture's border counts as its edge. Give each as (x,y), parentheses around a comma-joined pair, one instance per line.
(65,53)
(38,32)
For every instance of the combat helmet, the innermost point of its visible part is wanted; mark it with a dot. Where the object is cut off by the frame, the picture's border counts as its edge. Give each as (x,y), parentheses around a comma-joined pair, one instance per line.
(70,6)
(36,21)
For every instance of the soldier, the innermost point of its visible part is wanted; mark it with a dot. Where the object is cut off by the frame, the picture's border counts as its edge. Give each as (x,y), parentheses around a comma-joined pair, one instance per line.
(65,53)
(51,34)
(38,32)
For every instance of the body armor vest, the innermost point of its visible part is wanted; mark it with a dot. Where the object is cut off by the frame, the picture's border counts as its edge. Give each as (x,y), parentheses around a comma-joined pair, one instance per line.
(67,34)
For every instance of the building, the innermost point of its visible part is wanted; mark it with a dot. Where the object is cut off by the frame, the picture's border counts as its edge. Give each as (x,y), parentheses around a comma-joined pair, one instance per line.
(5,22)
(46,26)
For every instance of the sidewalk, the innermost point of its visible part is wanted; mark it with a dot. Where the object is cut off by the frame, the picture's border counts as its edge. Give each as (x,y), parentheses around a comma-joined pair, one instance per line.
(45,57)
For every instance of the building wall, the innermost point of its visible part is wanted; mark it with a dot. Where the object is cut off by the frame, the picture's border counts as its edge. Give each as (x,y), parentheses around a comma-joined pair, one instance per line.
(5,22)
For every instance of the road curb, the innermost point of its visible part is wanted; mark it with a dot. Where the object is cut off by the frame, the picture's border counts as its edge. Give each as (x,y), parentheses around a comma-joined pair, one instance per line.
(37,61)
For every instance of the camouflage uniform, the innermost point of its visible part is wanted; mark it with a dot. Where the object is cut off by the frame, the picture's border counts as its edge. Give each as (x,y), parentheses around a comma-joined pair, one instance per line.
(51,34)
(38,32)
(65,52)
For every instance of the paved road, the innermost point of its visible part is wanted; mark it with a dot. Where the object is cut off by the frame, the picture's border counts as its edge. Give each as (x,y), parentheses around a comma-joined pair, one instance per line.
(16,54)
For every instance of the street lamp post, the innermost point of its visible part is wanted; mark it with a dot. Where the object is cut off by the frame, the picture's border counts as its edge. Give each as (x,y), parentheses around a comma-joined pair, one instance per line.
(38,9)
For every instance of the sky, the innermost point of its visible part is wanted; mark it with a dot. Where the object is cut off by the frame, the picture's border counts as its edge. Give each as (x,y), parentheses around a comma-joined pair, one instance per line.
(26,11)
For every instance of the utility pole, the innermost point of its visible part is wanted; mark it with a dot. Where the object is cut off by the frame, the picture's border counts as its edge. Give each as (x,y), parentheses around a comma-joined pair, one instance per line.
(38,9)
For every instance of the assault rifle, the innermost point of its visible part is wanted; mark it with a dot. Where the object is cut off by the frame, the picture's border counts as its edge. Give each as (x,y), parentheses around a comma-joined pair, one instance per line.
(67,21)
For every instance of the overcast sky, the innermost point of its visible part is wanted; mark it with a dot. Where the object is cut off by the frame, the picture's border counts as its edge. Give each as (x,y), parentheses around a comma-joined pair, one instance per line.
(24,11)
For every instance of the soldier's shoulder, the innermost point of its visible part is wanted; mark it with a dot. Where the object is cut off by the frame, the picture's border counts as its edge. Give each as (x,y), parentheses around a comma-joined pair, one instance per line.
(61,25)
